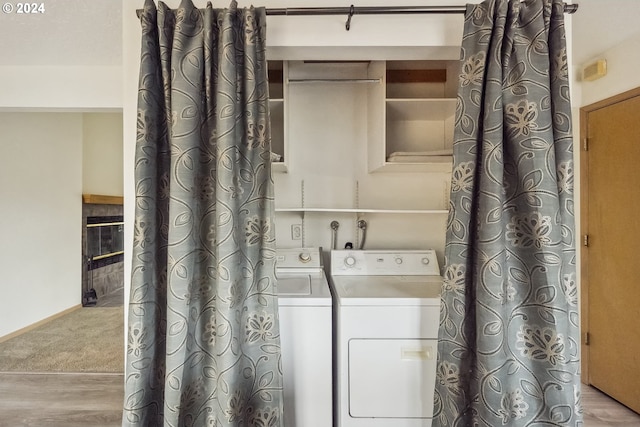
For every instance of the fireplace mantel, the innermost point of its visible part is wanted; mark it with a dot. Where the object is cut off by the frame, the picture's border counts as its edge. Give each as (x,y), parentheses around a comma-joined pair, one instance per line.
(99,199)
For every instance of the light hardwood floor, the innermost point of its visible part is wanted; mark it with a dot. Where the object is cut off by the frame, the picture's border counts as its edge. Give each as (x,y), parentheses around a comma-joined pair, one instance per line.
(602,411)
(82,400)
(61,400)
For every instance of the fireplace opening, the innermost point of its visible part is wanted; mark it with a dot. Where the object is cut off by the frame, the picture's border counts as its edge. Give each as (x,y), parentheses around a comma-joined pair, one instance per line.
(105,240)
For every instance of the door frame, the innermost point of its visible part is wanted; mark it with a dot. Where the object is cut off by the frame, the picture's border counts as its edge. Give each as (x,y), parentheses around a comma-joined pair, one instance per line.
(584,222)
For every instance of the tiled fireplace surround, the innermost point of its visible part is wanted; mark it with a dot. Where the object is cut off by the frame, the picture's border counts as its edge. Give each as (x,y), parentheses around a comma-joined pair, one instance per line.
(109,278)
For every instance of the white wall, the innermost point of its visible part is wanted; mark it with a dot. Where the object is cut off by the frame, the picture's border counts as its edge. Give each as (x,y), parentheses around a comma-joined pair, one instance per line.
(623,63)
(131,34)
(40,229)
(77,88)
(102,171)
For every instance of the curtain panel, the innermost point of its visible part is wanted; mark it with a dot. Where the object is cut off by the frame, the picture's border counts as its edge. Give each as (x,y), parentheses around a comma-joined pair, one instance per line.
(203,332)
(508,347)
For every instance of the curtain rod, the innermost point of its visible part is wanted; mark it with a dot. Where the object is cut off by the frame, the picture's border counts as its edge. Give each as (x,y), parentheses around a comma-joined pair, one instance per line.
(372,10)
(378,10)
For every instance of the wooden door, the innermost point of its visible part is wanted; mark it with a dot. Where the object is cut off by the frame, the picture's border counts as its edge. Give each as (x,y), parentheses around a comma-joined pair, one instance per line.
(611,257)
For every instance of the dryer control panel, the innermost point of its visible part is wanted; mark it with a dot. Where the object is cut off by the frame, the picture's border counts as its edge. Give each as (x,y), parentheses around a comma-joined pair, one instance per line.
(307,258)
(384,263)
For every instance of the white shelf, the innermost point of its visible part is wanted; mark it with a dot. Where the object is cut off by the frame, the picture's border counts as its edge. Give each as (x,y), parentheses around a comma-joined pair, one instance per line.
(279,167)
(411,116)
(355,210)
(434,167)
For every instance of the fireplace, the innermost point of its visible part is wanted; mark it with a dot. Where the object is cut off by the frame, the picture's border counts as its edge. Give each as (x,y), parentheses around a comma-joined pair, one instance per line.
(105,241)
(102,248)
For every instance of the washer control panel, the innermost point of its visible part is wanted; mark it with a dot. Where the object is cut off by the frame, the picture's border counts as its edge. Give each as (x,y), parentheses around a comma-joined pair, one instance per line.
(350,262)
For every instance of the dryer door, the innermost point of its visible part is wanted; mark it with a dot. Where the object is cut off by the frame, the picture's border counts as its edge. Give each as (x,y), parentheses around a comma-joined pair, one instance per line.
(392,378)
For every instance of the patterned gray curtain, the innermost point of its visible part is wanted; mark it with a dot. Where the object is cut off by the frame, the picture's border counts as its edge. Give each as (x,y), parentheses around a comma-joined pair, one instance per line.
(508,350)
(203,333)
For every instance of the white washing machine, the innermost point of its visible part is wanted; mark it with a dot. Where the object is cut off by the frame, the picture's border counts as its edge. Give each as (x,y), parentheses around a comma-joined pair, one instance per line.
(387,311)
(305,309)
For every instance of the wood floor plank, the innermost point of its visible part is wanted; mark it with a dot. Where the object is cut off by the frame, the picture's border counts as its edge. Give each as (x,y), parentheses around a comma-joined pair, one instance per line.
(602,411)
(61,418)
(61,400)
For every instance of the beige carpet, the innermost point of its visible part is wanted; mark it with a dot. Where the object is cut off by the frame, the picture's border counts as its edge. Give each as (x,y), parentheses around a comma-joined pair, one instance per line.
(89,339)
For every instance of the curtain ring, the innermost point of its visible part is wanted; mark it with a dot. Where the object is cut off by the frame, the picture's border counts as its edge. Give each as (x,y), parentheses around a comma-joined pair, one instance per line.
(352,10)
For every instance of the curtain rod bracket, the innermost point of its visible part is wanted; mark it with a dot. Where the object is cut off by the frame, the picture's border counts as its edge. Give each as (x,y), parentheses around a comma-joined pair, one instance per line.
(352,10)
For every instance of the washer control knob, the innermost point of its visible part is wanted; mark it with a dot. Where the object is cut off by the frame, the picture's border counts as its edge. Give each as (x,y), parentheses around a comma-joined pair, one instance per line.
(425,260)
(398,260)
(304,257)
(350,261)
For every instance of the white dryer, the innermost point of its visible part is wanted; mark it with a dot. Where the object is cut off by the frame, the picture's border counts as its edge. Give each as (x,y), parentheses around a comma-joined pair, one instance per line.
(305,310)
(386,316)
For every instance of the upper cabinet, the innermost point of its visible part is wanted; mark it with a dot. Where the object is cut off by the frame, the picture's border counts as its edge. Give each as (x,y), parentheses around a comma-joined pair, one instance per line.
(278,71)
(410,109)
(411,116)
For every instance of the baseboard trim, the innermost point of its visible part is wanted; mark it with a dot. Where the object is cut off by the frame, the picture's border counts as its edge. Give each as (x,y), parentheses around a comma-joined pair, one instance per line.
(39,323)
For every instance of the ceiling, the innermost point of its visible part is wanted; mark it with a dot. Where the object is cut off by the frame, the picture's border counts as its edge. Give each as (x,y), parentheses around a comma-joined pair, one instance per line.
(598,25)
(68,33)
(89,32)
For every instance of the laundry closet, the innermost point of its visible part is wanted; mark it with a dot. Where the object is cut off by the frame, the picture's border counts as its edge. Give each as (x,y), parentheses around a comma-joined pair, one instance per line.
(362,154)
(362,140)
